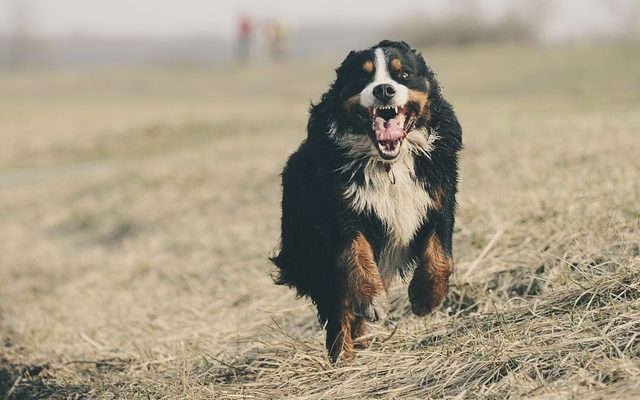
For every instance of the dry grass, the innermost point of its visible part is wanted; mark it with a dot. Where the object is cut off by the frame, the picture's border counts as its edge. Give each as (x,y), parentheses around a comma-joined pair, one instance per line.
(137,209)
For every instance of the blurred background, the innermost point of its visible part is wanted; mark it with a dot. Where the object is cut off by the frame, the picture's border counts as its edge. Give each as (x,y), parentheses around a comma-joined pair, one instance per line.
(77,32)
(141,144)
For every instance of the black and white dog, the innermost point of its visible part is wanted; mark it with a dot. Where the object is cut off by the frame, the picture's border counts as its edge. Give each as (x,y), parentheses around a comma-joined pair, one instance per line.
(371,193)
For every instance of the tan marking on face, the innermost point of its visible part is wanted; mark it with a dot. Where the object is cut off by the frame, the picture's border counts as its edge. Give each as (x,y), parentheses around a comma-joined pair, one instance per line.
(352,101)
(396,65)
(367,67)
(419,97)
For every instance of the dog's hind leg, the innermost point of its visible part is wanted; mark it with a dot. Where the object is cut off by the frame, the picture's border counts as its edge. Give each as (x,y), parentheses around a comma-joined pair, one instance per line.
(339,340)
(344,334)
(358,330)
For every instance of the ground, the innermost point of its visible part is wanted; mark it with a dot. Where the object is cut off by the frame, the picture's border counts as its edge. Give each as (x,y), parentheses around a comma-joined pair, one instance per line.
(138,208)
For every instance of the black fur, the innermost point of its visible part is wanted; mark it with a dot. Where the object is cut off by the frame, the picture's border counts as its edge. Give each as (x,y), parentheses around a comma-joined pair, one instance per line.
(317,222)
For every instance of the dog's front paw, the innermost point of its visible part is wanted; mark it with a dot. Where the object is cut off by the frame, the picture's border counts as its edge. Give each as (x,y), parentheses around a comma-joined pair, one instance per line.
(374,310)
(425,298)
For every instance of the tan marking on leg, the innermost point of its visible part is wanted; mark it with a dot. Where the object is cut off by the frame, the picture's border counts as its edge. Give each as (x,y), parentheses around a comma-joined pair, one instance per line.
(439,265)
(364,286)
(358,330)
(363,278)
(348,317)
(430,281)
(340,346)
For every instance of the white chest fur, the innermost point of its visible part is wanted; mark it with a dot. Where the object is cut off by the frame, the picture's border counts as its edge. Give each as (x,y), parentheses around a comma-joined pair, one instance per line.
(401,204)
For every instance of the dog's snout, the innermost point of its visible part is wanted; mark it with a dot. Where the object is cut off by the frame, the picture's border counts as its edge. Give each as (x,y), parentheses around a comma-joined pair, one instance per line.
(384,92)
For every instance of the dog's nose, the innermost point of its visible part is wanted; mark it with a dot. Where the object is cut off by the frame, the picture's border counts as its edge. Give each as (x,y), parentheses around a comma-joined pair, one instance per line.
(384,92)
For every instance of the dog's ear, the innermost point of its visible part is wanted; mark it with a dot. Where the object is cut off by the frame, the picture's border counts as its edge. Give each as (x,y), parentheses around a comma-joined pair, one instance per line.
(342,70)
(349,56)
(345,62)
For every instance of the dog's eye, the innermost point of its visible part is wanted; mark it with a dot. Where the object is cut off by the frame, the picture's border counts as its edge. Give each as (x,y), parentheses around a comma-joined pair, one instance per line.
(405,76)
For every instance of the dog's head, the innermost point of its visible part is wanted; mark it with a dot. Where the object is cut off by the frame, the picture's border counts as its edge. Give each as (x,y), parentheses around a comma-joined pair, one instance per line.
(382,93)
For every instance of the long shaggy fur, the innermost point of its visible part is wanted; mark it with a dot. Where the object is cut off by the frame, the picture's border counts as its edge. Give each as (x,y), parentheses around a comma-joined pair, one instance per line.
(344,208)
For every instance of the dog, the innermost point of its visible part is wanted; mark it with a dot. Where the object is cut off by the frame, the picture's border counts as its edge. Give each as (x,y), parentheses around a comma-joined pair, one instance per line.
(371,193)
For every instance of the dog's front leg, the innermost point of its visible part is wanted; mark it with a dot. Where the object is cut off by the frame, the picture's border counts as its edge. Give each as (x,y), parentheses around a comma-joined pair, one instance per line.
(430,281)
(364,299)
(366,290)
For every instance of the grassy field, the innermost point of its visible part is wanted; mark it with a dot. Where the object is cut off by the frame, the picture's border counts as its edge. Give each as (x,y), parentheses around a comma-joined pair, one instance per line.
(137,209)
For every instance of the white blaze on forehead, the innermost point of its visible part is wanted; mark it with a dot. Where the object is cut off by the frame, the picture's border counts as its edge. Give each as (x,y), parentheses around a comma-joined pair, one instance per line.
(368,100)
(382,74)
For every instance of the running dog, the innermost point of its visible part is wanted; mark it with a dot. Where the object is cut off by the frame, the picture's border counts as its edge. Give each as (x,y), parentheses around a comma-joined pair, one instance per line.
(371,193)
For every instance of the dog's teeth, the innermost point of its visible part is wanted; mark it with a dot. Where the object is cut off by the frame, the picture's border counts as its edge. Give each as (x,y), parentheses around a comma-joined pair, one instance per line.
(395,109)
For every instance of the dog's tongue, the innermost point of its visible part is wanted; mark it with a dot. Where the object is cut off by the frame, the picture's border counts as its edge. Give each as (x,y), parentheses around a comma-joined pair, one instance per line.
(388,131)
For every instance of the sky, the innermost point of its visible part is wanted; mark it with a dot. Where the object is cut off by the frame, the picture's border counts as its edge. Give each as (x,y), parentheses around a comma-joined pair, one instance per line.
(184,17)
(171,18)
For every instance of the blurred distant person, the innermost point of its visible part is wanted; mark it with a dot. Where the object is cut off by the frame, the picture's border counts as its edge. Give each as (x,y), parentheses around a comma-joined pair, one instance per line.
(277,36)
(245,30)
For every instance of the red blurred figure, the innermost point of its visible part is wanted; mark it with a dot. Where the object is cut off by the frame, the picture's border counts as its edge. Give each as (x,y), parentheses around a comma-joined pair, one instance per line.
(245,31)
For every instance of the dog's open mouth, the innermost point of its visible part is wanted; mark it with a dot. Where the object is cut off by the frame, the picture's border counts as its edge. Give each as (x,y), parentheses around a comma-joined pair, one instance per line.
(390,127)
